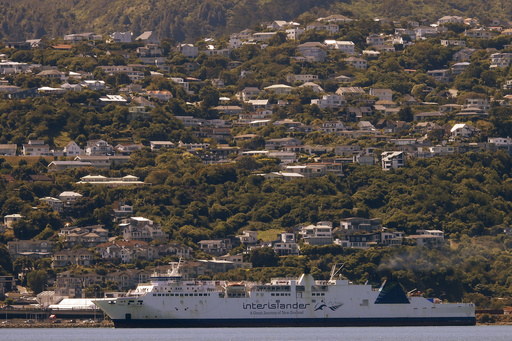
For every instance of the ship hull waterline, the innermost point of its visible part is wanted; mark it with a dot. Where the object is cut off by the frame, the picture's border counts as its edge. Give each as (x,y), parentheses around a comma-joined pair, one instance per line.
(307,322)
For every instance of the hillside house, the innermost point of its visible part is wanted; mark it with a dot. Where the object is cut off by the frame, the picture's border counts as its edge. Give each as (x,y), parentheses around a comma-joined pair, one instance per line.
(393,160)
(141,229)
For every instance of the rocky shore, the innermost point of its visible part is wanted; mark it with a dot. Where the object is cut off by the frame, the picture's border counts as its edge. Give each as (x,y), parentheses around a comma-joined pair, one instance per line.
(63,324)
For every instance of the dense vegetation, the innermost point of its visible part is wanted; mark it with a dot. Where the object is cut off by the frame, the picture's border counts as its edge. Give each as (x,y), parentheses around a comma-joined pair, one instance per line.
(181,20)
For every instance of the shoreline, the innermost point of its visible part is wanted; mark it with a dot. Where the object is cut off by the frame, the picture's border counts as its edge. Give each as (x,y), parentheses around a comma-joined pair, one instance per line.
(22,324)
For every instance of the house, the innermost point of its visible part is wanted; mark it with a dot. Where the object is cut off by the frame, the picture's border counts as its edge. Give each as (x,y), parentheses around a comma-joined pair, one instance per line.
(280,89)
(175,249)
(78,37)
(477,103)
(382,94)
(428,238)
(157,145)
(285,245)
(329,101)
(228,109)
(34,249)
(450,19)
(319,234)
(442,76)
(393,160)
(313,51)
(68,285)
(301,78)
(128,279)
(36,148)
(346,149)
(313,86)
(98,147)
(358,63)
(102,161)
(121,210)
(365,125)
(94,85)
(148,38)
(127,180)
(71,87)
(56,166)
(248,237)
(375,39)
(463,55)
(458,68)
(329,27)
(453,42)
(127,251)
(273,144)
(316,169)
(350,92)
(500,60)
(9,219)
(8,149)
(72,149)
(122,37)
(56,204)
(480,33)
(357,224)
(52,74)
(127,148)
(461,130)
(188,50)
(339,45)
(248,93)
(69,198)
(141,229)
(336,18)
(160,95)
(367,240)
(216,247)
(332,127)
(294,33)
(441,150)
(112,99)
(428,115)
(79,257)
(138,112)
(263,36)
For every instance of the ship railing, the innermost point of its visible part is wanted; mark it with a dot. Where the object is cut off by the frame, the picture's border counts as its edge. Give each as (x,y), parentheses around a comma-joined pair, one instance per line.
(283,280)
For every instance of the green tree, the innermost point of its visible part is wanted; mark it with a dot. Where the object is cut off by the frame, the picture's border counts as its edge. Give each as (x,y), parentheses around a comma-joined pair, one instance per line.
(264,257)
(36,280)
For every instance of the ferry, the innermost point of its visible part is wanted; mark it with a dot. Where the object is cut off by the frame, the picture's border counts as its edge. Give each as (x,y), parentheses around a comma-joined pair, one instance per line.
(173,302)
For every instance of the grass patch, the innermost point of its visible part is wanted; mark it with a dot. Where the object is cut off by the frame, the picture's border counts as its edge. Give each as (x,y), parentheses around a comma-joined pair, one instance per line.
(62,140)
(269,235)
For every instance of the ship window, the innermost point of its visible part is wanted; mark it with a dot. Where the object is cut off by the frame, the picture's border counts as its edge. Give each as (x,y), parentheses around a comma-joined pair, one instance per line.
(195,294)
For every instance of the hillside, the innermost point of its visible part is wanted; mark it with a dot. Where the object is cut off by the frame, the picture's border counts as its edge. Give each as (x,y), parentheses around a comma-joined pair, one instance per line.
(186,20)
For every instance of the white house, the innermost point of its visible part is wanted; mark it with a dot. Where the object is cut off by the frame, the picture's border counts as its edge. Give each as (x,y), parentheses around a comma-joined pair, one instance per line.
(393,160)
(72,149)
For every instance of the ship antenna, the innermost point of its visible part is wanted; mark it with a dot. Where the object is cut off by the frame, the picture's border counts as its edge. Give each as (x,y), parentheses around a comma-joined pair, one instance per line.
(336,268)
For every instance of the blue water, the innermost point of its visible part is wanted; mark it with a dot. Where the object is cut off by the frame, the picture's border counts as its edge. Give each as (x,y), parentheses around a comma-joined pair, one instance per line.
(495,333)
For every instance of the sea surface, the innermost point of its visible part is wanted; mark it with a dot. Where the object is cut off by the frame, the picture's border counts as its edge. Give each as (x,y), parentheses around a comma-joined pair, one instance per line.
(495,333)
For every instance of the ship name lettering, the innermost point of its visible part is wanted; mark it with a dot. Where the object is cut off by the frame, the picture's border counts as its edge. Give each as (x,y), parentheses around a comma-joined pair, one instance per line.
(274,305)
